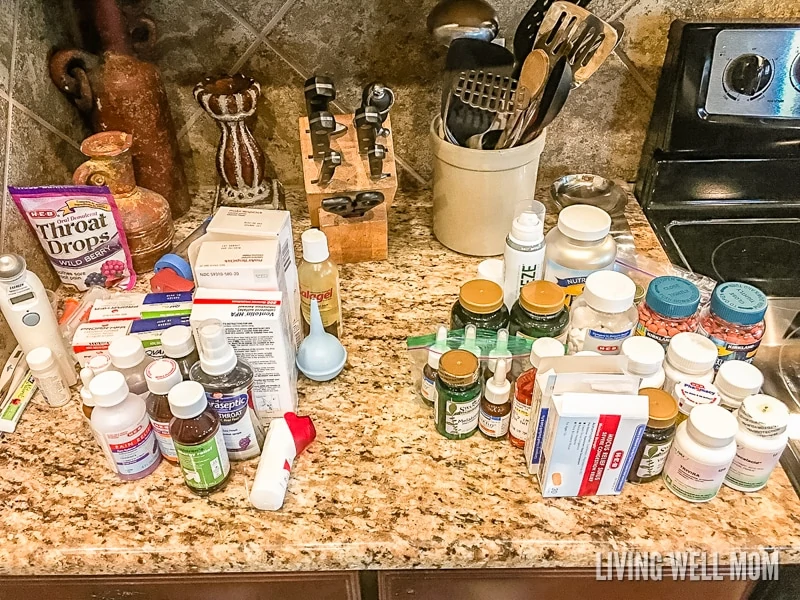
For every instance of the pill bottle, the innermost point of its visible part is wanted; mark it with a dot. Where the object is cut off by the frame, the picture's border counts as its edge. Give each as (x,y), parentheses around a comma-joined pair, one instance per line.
(48,376)
(736,380)
(648,462)
(669,308)
(734,321)
(691,394)
(690,357)
(162,375)
(540,312)
(701,454)
(480,303)
(128,357)
(198,439)
(604,315)
(762,438)
(523,389)
(645,359)
(177,343)
(495,415)
(458,395)
(579,245)
(122,427)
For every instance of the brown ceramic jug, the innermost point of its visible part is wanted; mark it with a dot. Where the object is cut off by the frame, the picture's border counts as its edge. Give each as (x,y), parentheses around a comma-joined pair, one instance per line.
(145,214)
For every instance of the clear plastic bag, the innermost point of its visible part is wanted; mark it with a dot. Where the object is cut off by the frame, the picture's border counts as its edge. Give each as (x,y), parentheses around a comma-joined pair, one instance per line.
(643,270)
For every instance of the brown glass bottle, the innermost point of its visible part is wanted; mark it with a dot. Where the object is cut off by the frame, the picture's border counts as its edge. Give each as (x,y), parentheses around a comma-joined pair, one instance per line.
(197,435)
(161,376)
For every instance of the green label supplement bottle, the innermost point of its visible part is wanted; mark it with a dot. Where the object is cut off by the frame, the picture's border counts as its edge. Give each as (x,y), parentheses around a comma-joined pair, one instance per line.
(458,395)
(651,455)
(198,440)
(480,303)
(540,312)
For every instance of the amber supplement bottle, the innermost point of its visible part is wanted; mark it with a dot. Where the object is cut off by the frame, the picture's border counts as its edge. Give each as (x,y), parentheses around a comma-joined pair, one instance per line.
(198,440)
(648,462)
(480,303)
(495,414)
(540,312)
(458,395)
(161,376)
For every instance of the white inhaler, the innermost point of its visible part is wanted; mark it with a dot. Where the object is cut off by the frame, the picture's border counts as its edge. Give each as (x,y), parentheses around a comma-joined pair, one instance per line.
(287,437)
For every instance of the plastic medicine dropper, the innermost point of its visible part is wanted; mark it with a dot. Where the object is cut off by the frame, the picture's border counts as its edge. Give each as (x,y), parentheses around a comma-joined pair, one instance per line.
(228,383)
(523,256)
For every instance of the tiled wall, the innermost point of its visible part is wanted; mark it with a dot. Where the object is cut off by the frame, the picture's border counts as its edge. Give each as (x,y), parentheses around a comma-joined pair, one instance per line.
(281,42)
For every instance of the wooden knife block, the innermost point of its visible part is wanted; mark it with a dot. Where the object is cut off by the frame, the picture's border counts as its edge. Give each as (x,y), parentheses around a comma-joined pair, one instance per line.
(350,239)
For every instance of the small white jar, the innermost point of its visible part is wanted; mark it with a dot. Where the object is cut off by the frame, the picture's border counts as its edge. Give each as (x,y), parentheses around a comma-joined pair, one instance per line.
(645,359)
(47,374)
(603,316)
(762,438)
(736,380)
(701,454)
(690,357)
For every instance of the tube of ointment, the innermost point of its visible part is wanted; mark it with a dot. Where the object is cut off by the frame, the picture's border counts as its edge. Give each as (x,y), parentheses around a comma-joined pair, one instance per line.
(15,404)
(287,437)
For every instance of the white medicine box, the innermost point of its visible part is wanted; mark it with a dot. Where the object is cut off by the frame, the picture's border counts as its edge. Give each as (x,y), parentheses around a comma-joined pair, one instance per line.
(240,264)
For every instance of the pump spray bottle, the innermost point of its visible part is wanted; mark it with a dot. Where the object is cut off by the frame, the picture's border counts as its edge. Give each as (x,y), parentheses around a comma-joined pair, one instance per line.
(524,255)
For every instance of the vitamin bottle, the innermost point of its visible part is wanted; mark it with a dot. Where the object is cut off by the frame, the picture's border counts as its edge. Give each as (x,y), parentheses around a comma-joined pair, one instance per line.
(177,343)
(319,278)
(648,462)
(122,427)
(458,395)
(734,321)
(162,375)
(46,372)
(701,454)
(198,439)
(428,384)
(128,357)
(645,359)
(579,245)
(523,390)
(540,312)
(499,351)
(229,390)
(480,303)
(495,415)
(669,308)
(691,394)
(762,438)
(604,315)
(735,381)
(690,357)
(524,255)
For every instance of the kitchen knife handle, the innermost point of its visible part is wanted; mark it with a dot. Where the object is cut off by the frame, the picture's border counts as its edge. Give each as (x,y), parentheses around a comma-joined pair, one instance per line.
(321,125)
(329,163)
(375,157)
(378,95)
(319,91)
(367,122)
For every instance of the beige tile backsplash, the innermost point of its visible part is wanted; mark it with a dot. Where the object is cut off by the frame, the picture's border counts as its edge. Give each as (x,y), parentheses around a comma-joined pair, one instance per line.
(282,42)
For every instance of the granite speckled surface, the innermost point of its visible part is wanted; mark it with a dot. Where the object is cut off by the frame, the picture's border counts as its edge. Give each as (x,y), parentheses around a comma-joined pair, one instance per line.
(379,489)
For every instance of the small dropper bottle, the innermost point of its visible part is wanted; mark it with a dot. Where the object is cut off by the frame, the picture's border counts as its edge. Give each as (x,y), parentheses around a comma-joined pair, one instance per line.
(495,414)
(500,350)
(428,386)
(471,341)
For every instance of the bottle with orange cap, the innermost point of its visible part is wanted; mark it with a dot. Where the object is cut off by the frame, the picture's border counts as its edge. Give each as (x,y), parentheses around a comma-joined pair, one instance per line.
(480,303)
(540,312)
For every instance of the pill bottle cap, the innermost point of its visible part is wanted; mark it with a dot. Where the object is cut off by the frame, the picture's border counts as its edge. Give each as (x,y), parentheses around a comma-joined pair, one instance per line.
(645,355)
(738,379)
(584,223)
(126,352)
(546,348)
(527,229)
(315,246)
(302,430)
(99,364)
(40,359)
(691,394)
(481,296)
(673,297)
(738,303)
(663,408)
(763,416)
(108,389)
(187,400)
(712,426)
(162,375)
(177,341)
(498,388)
(216,354)
(458,368)
(542,297)
(491,269)
(691,353)
(609,291)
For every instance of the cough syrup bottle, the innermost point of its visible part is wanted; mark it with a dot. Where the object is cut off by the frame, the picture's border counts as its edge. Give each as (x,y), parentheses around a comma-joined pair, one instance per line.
(319,279)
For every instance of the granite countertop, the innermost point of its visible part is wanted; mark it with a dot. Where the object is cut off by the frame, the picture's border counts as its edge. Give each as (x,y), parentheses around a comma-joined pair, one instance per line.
(379,489)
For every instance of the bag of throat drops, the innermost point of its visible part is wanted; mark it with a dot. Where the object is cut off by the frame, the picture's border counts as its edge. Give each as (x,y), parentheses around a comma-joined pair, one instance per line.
(80,229)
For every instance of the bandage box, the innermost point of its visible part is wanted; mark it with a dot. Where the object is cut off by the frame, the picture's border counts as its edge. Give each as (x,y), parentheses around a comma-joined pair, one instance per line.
(240,265)
(590,442)
(93,339)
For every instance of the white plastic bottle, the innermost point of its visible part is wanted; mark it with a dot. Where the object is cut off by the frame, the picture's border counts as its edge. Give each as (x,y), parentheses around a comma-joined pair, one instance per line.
(701,454)
(762,438)
(129,358)
(123,428)
(287,437)
(319,279)
(736,380)
(523,256)
(645,359)
(47,374)
(690,357)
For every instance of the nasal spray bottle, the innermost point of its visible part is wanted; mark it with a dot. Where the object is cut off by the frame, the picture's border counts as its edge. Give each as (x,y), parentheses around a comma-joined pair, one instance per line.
(524,253)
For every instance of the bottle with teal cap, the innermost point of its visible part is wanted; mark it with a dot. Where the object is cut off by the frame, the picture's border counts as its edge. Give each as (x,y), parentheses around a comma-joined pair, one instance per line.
(500,351)
(471,341)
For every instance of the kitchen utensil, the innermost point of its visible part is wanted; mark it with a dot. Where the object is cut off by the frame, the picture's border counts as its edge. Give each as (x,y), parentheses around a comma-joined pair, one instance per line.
(330,161)
(487,91)
(554,95)
(321,125)
(528,28)
(367,121)
(338,205)
(319,91)
(378,95)
(594,44)
(321,356)
(375,157)
(365,201)
(533,77)
(455,19)
(463,121)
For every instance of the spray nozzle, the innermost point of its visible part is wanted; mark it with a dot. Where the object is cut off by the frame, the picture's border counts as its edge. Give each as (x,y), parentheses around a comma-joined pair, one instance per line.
(527,227)
(471,340)
(216,354)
